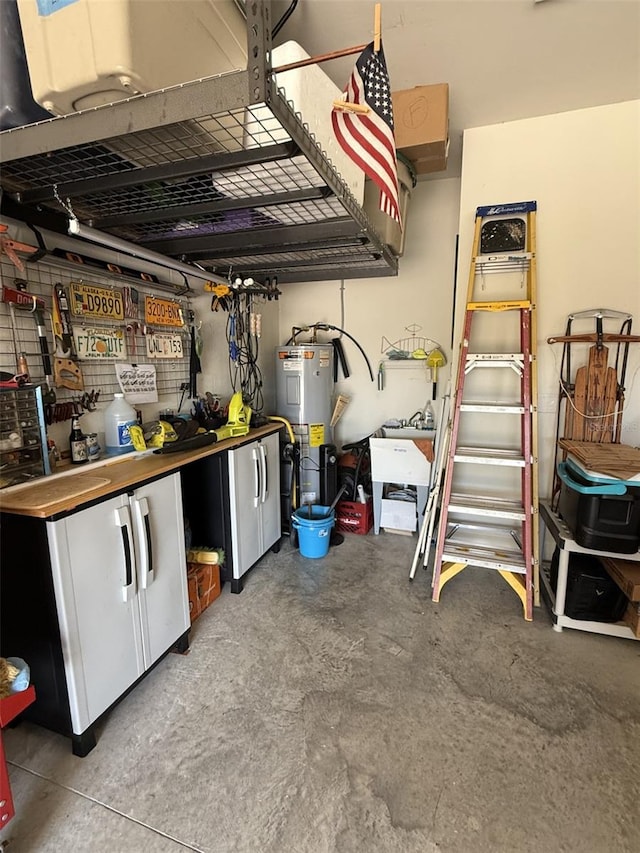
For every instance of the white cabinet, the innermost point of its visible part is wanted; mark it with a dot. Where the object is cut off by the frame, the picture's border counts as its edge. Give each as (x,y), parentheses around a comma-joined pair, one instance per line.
(119,578)
(254,502)
(232,501)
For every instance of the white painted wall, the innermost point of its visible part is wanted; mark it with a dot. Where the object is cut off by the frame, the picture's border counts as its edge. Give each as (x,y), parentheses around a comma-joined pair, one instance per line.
(374,308)
(215,376)
(583,169)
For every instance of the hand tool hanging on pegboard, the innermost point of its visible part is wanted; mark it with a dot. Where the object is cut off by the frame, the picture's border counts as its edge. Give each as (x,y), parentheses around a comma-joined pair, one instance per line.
(25,301)
(66,372)
(195,365)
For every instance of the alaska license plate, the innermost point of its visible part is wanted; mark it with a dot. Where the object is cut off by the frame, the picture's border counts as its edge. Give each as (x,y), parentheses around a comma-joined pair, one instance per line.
(162,312)
(103,303)
(100,343)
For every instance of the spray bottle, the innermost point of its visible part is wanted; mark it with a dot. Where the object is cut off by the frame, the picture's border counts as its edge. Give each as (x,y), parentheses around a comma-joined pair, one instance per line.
(429,417)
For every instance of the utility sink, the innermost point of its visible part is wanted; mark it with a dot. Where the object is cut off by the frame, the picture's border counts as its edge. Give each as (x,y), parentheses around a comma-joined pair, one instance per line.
(406,432)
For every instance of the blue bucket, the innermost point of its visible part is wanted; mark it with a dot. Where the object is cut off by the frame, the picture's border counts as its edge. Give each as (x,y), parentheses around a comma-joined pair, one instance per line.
(314,531)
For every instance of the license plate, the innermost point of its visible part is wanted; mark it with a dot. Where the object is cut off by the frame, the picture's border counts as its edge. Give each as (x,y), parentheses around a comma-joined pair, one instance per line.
(162,312)
(161,345)
(104,303)
(100,344)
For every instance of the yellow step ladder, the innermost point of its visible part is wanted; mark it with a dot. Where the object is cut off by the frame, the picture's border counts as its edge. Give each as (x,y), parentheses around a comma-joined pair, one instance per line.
(489,509)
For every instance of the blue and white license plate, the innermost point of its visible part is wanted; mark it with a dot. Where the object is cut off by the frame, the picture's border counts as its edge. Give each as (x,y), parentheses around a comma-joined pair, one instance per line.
(164,345)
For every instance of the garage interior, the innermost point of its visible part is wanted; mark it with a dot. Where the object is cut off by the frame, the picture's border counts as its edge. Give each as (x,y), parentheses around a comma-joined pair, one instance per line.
(333,705)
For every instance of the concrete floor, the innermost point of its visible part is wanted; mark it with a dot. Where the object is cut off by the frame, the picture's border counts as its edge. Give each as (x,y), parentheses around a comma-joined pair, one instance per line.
(333,707)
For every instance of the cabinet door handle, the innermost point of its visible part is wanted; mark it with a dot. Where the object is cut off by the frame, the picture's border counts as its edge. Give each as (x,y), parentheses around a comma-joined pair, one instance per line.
(123,520)
(143,523)
(256,471)
(265,473)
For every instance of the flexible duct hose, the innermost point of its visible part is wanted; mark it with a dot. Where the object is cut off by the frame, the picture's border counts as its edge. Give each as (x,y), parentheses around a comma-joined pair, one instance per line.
(326,327)
(292,436)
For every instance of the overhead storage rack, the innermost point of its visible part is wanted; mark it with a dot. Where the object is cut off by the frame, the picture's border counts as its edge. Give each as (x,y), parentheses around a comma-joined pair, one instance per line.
(221,172)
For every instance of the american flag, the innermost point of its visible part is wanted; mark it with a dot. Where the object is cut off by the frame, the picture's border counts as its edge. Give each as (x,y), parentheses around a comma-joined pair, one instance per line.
(368,137)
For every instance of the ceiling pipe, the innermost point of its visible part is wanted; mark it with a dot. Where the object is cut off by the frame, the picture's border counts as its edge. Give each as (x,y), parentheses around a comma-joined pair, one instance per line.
(101,238)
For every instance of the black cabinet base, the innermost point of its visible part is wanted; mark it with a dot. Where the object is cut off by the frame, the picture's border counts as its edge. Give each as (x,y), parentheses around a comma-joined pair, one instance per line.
(182,646)
(82,745)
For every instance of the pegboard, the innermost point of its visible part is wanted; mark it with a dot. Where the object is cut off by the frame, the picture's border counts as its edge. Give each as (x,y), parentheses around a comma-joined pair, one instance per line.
(41,278)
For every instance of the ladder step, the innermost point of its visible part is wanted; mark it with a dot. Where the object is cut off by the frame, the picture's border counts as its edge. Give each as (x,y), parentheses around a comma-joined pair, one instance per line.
(495,356)
(489,456)
(487,507)
(511,305)
(514,360)
(488,558)
(494,408)
(502,263)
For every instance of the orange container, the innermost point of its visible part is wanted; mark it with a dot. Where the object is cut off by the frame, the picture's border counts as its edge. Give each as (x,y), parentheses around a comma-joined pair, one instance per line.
(203,581)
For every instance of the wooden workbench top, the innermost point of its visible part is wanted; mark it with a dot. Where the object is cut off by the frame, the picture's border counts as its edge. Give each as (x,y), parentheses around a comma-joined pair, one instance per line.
(63,492)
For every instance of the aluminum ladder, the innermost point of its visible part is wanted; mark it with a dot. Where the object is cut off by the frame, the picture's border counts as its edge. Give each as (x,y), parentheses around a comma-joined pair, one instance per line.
(492,521)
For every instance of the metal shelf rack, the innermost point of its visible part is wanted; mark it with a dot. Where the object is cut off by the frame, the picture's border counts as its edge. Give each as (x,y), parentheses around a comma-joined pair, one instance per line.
(221,172)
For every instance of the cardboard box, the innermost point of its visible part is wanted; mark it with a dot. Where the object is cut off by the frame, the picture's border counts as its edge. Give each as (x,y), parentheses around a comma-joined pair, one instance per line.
(626,574)
(398,515)
(421,125)
(203,584)
(632,617)
(354,517)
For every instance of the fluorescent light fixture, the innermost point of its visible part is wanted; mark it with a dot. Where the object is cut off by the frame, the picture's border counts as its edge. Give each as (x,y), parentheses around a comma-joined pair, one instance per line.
(77,229)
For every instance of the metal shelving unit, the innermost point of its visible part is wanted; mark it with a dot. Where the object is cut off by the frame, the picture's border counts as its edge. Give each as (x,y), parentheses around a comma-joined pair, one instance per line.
(221,172)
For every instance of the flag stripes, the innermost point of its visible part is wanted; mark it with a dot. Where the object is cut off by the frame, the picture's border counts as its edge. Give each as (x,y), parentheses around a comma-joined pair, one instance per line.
(368,138)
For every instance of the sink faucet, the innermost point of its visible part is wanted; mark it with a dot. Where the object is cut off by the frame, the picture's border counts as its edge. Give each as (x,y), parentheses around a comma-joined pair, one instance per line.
(417,420)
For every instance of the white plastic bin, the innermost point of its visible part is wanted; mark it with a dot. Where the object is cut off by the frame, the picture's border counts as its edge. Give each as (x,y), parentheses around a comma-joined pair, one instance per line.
(392,235)
(312,94)
(85,53)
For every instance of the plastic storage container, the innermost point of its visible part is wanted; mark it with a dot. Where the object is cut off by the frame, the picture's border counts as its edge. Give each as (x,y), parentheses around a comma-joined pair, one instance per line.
(388,229)
(123,47)
(313,525)
(118,417)
(599,520)
(17,106)
(591,593)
